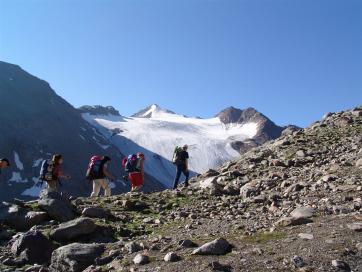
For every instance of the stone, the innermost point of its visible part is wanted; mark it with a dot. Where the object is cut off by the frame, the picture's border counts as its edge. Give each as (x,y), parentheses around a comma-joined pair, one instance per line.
(13,216)
(216,266)
(73,230)
(208,183)
(34,246)
(75,257)
(36,218)
(359,163)
(359,247)
(247,191)
(217,247)
(300,153)
(95,212)
(231,190)
(148,220)
(141,259)
(341,265)
(58,207)
(298,261)
(132,247)
(93,268)
(187,244)
(171,257)
(303,212)
(306,236)
(355,226)
(292,221)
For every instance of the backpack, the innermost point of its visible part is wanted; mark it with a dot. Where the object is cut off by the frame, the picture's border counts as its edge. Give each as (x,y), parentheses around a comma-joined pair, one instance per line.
(176,159)
(47,170)
(131,163)
(95,170)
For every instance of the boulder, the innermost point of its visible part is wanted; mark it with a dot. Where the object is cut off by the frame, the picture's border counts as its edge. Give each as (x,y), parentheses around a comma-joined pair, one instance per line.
(303,212)
(216,266)
(75,257)
(95,212)
(141,259)
(58,207)
(341,265)
(34,246)
(171,257)
(217,247)
(247,191)
(132,247)
(355,226)
(359,163)
(73,230)
(36,218)
(298,261)
(187,244)
(306,236)
(292,221)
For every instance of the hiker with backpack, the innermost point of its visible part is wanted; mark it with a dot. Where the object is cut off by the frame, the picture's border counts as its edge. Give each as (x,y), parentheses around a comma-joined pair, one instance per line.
(4,163)
(134,167)
(180,159)
(98,173)
(51,171)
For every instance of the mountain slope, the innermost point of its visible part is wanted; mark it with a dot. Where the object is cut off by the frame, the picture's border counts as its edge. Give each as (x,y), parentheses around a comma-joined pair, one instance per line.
(293,204)
(36,122)
(156,132)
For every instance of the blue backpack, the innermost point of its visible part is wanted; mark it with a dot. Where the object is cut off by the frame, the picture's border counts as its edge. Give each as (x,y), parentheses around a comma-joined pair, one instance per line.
(131,164)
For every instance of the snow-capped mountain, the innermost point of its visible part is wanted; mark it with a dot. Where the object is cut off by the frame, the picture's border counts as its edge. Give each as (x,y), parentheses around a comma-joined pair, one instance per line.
(156,131)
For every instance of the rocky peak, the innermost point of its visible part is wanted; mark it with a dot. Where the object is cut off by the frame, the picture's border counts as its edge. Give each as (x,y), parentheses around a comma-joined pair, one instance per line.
(235,115)
(151,111)
(99,110)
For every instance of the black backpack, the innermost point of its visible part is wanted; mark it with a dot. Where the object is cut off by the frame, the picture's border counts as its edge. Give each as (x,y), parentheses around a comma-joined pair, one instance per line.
(176,159)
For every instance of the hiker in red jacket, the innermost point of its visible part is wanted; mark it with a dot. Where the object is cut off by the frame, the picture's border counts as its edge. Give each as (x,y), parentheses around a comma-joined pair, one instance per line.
(134,166)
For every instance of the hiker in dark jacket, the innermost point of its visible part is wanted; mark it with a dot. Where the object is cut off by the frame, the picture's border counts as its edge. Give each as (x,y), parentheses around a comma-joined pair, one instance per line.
(57,160)
(182,166)
(4,163)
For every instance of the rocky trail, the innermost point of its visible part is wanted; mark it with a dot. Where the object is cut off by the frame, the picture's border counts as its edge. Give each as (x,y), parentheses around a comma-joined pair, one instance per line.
(293,204)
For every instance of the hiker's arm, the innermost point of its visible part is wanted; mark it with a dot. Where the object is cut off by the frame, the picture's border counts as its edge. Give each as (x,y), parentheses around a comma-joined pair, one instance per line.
(63,176)
(106,172)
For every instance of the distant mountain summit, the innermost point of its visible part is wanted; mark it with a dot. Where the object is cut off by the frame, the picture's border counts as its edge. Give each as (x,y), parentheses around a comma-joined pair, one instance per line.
(153,110)
(99,110)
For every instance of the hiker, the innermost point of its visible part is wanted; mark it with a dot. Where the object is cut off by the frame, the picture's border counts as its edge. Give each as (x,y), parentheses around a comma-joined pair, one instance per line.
(51,171)
(4,163)
(180,159)
(98,174)
(134,166)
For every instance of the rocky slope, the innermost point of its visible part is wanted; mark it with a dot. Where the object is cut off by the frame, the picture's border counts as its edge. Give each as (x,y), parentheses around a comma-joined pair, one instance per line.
(35,123)
(293,204)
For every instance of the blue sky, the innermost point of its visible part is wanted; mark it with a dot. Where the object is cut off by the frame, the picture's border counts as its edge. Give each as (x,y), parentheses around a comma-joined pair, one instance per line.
(293,60)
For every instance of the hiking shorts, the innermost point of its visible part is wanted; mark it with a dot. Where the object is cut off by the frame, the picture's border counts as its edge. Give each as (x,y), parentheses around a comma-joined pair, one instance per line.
(136,179)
